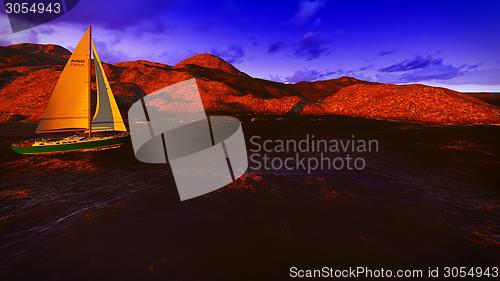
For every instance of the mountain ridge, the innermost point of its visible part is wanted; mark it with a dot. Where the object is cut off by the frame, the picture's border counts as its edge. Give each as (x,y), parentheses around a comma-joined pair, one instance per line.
(28,73)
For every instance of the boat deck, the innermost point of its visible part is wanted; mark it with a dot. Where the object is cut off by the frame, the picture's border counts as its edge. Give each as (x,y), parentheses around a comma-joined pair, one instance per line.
(72,143)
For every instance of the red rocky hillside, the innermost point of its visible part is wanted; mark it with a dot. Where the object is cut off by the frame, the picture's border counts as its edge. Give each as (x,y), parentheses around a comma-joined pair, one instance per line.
(28,73)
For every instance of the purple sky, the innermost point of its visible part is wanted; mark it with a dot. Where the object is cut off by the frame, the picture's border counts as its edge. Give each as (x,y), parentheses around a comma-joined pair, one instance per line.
(448,43)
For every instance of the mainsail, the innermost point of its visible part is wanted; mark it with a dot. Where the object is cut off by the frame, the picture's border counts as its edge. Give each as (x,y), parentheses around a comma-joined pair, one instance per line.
(107,116)
(68,108)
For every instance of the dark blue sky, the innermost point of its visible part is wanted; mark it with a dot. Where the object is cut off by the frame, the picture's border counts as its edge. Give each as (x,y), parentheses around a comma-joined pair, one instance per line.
(452,43)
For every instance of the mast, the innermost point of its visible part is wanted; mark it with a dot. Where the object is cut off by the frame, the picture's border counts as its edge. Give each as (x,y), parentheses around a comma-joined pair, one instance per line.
(90,63)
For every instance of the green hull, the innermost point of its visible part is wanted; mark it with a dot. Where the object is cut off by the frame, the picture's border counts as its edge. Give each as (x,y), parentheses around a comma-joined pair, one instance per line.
(80,146)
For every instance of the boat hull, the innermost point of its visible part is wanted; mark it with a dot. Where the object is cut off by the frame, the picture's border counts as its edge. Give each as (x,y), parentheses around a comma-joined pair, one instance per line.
(89,145)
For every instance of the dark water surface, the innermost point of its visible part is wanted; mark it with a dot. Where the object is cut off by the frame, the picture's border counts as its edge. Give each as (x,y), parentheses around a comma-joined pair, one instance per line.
(429,196)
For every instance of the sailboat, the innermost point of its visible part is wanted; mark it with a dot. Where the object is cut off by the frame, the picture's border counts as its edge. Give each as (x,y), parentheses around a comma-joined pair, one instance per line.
(69,109)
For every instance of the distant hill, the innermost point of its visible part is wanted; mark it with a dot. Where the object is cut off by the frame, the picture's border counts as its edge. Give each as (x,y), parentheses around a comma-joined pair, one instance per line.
(28,73)
(32,55)
(414,103)
(491,98)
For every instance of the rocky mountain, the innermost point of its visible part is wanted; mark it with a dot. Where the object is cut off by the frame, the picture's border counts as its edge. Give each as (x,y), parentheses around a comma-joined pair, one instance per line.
(28,73)
(32,55)
(414,103)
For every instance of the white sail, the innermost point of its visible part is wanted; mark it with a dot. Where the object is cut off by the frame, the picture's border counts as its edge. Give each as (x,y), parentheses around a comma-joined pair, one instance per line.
(107,116)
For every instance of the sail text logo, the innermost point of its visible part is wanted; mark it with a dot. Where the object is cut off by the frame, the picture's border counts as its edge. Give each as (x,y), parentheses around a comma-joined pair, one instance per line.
(77,62)
(204,152)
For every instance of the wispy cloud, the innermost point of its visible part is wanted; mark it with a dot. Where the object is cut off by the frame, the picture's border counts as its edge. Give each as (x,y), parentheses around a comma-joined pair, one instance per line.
(307,75)
(421,68)
(108,55)
(276,47)
(386,53)
(307,10)
(417,62)
(26,36)
(152,27)
(486,76)
(304,75)
(311,46)
(433,72)
(233,54)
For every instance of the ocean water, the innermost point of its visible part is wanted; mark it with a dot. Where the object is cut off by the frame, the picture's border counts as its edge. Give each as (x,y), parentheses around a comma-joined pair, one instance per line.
(429,196)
